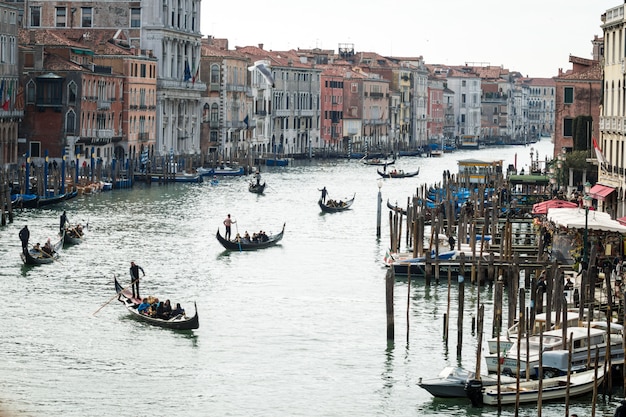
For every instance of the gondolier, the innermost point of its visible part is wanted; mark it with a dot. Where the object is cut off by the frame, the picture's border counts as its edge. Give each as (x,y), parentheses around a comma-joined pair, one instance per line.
(228,222)
(24,236)
(324,193)
(134,276)
(63,221)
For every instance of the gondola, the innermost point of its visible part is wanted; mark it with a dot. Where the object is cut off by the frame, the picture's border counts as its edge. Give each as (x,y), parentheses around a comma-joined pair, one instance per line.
(398,173)
(246,244)
(39,257)
(396,208)
(72,236)
(54,199)
(180,322)
(378,162)
(332,206)
(256,188)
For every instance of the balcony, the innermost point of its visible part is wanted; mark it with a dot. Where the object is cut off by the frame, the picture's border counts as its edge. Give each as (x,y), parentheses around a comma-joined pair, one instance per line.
(104,104)
(104,133)
(143,137)
(214,124)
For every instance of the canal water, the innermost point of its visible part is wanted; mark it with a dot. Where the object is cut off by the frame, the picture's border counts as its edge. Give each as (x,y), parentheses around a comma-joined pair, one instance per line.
(294,330)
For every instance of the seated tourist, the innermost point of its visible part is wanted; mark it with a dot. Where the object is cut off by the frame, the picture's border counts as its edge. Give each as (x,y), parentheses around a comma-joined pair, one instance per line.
(144,306)
(178,310)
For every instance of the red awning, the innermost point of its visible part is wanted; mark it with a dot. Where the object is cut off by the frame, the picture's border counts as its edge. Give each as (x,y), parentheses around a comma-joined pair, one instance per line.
(600,192)
(622,220)
(542,208)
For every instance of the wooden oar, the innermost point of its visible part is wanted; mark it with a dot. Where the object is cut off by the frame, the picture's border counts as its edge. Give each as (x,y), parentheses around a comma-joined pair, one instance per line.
(116,295)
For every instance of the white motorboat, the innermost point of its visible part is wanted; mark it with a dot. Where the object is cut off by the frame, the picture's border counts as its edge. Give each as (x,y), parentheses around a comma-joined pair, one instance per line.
(556,388)
(585,342)
(450,383)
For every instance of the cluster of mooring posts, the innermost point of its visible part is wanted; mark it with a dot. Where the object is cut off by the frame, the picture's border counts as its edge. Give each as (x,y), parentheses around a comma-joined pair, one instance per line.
(495,244)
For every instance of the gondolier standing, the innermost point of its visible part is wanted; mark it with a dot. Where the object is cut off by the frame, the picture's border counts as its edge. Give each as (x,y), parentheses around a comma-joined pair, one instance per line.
(228,222)
(324,193)
(63,221)
(134,276)
(24,236)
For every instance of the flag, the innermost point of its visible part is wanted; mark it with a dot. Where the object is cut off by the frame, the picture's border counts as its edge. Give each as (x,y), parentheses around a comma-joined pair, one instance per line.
(187,75)
(599,154)
(5,105)
(246,120)
(196,73)
(265,72)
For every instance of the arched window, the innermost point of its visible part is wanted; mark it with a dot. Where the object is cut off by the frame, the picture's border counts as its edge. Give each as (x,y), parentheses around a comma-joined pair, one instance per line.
(215,74)
(72,88)
(205,113)
(215,113)
(30,92)
(70,122)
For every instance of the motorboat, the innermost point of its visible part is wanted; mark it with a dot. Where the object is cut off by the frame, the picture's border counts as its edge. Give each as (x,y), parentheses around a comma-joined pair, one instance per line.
(585,342)
(451,381)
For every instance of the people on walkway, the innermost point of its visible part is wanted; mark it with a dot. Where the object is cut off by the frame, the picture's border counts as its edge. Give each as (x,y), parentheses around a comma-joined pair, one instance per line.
(134,276)
(24,236)
(228,222)
(63,221)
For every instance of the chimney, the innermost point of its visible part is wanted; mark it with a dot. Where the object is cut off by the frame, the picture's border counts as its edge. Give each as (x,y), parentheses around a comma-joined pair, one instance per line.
(260,46)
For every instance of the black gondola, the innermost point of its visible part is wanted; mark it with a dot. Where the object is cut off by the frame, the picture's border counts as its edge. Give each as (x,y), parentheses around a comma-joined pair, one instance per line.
(39,257)
(74,234)
(379,162)
(242,244)
(256,188)
(332,206)
(398,173)
(179,322)
(396,208)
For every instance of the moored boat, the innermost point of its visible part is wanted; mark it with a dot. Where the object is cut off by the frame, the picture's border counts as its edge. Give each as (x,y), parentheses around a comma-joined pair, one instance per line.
(557,388)
(246,244)
(451,381)
(178,322)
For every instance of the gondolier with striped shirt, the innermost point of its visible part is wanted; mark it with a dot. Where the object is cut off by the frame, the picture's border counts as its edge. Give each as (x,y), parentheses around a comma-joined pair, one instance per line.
(134,276)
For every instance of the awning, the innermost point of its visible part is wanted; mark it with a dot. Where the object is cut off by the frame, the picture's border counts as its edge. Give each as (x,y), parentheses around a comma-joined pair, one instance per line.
(576,218)
(600,192)
(542,208)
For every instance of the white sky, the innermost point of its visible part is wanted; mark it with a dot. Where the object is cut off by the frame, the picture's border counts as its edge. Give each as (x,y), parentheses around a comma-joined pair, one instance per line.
(534,37)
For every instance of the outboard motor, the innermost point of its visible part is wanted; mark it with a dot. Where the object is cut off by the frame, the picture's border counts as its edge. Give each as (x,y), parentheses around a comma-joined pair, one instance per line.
(474,391)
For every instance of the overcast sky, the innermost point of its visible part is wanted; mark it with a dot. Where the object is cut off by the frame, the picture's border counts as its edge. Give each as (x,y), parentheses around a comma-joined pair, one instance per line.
(534,37)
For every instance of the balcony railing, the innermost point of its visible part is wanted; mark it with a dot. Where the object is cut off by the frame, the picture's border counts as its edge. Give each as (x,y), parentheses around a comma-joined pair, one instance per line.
(104,104)
(143,137)
(104,133)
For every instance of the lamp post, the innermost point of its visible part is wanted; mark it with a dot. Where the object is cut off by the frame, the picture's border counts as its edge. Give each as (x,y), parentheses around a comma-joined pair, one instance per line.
(587,200)
(379,210)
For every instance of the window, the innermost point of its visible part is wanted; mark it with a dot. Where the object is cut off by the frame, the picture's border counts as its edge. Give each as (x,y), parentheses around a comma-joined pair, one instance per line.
(215,74)
(70,122)
(568,126)
(86,17)
(35,16)
(30,92)
(215,115)
(135,17)
(71,93)
(60,17)
(568,95)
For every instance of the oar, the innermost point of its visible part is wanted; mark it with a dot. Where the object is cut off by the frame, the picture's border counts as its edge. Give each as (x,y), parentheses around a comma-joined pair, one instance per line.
(239,241)
(117,294)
